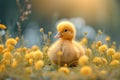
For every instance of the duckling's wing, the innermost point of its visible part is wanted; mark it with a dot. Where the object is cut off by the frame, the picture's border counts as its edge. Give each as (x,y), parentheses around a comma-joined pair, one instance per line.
(80,47)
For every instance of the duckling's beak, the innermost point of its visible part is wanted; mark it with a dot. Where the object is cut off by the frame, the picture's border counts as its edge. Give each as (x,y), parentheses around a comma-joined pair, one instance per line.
(58,35)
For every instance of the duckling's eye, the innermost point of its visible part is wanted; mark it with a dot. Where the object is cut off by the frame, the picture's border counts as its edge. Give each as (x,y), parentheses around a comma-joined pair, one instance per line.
(65,30)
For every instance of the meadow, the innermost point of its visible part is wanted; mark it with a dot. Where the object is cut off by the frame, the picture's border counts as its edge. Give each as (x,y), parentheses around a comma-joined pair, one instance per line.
(100,62)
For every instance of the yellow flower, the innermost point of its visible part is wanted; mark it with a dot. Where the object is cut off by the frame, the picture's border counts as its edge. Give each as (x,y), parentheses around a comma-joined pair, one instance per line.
(17,39)
(11,41)
(34,48)
(103,48)
(2,67)
(39,64)
(14,63)
(19,49)
(30,61)
(2,26)
(99,32)
(6,62)
(59,53)
(83,60)
(114,63)
(88,51)
(24,49)
(65,65)
(84,41)
(86,71)
(28,70)
(64,70)
(28,50)
(6,50)
(27,56)
(38,54)
(1,48)
(7,55)
(10,47)
(31,55)
(49,33)
(97,60)
(98,44)
(110,51)
(116,56)
(107,38)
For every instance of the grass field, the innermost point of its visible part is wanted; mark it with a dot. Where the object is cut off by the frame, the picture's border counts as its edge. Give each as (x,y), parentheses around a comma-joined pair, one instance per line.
(101,62)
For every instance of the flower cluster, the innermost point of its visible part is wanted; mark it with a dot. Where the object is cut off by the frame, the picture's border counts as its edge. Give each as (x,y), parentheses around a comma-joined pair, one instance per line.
(100,62)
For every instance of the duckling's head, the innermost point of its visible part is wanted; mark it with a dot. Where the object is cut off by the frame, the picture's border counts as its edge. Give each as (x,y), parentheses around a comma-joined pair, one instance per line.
(66,30)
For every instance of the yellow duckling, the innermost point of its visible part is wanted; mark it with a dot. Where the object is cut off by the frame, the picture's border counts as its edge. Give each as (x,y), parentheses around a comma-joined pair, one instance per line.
(71,50)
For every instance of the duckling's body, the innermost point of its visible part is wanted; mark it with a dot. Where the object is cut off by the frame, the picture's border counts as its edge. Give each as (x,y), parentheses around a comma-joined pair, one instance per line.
(71,50)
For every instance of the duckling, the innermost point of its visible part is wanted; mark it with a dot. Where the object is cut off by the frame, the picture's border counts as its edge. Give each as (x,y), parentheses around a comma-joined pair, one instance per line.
(71,50)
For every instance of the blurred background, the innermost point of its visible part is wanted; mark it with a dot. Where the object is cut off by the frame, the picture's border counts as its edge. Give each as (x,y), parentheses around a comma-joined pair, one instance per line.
(28,16)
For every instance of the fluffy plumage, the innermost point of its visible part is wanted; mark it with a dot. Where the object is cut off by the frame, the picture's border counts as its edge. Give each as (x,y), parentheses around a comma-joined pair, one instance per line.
(71,50)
